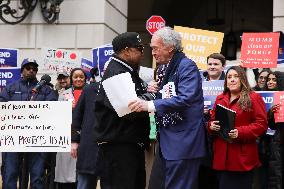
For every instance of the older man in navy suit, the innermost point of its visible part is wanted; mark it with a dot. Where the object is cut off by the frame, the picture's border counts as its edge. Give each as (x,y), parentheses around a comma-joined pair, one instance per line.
(179,111)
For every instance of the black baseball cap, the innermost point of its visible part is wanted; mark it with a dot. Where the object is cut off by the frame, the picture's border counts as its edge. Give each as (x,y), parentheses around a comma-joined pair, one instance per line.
(127,39)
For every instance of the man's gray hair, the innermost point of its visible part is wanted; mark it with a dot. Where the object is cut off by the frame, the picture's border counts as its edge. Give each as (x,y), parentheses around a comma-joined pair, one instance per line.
(170,37)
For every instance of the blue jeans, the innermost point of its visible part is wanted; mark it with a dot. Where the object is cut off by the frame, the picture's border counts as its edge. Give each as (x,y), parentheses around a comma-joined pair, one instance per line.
(12,163)
(87,181)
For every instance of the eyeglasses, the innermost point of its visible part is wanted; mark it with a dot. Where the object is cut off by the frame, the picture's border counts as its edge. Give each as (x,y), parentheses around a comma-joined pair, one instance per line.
(31,68)
(140,48)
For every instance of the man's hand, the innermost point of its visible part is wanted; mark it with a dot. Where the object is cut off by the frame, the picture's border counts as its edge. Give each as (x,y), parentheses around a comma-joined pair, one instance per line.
(138,105)
(74,147)
(153,87)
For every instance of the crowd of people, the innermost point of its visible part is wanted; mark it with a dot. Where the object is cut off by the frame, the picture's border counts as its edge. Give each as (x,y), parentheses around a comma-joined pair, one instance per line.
(190,153)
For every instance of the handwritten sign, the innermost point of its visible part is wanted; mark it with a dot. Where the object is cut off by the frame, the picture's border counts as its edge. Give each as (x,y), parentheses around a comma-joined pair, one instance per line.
(260,50)
(55,60)
(30,126)
(198,44)
(279,99)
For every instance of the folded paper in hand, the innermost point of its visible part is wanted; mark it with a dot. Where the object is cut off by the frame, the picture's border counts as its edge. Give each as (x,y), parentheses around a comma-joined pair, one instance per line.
(120,90)
(226,118)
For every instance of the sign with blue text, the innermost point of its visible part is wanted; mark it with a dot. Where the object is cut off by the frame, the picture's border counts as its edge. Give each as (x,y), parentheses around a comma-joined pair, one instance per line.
(8,57)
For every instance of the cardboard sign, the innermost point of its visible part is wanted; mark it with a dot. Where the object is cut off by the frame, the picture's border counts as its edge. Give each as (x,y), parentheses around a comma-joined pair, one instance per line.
(8,57)
(211,89)
(35,126)
(55,60)
(259,50)
(279,99)
(198,44)
(101,55)
(8,76)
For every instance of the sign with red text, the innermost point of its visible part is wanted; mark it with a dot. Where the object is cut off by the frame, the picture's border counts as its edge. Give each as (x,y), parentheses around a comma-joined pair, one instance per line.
(155,23)
(279,99)
(55,60)
(35,126)
(198,44)
(259,50)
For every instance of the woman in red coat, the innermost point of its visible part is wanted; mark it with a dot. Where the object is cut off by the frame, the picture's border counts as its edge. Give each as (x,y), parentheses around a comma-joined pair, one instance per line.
(236,160)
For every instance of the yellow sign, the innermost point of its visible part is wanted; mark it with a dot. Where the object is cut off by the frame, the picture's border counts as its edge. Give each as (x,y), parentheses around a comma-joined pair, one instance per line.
(198,44)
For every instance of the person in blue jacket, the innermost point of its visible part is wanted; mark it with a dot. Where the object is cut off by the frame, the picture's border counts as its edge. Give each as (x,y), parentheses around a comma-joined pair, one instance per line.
(21,90)
(179,111)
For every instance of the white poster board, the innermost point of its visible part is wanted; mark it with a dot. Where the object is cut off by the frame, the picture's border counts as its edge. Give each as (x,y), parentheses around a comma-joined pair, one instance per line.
(55,60)
(35,126)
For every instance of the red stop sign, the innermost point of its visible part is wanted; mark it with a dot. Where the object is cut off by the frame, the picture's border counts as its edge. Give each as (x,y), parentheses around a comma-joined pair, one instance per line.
(154,23)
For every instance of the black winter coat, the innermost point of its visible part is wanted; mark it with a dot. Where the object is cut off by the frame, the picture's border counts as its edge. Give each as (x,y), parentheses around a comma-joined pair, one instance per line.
(83,131)
(132,128)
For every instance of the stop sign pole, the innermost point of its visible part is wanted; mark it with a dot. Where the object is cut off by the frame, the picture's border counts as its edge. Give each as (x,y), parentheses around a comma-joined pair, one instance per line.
(154,23)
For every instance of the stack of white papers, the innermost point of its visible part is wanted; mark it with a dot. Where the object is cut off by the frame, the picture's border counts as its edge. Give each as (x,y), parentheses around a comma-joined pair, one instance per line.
(120,90)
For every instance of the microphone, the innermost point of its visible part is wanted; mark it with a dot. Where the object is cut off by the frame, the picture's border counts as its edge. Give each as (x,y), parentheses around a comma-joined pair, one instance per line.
(43,80)
(205,74)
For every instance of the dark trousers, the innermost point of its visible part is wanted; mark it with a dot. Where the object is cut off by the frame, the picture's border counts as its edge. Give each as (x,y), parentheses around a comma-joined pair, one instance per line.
(124,166)
(157,177)
(12,163)
(182,173)
(87,181)
(207,178)
(235,180)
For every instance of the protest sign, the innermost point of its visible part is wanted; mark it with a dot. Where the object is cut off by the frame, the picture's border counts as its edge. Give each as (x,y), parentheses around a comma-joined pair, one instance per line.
(55,60)
(8,57)
(259,50)
(268,98)
(35,126)
(211,89)
(279,99)
(198,44)
(8,76)
(280,62)
(101,55)
(153,128)
(87,65)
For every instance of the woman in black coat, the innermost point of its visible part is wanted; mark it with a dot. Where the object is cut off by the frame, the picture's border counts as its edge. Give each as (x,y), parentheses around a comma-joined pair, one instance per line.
(84,145)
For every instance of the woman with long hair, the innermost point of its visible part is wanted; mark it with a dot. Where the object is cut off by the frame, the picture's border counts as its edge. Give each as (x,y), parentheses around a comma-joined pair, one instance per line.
(275,82)
(65,170)
(236,158)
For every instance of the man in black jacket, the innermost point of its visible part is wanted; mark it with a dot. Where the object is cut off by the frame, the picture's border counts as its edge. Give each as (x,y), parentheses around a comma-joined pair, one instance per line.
(122,140)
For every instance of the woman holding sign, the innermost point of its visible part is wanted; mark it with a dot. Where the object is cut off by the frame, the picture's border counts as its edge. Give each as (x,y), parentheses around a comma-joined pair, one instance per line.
(65,170)
(275,82)
(236,158)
